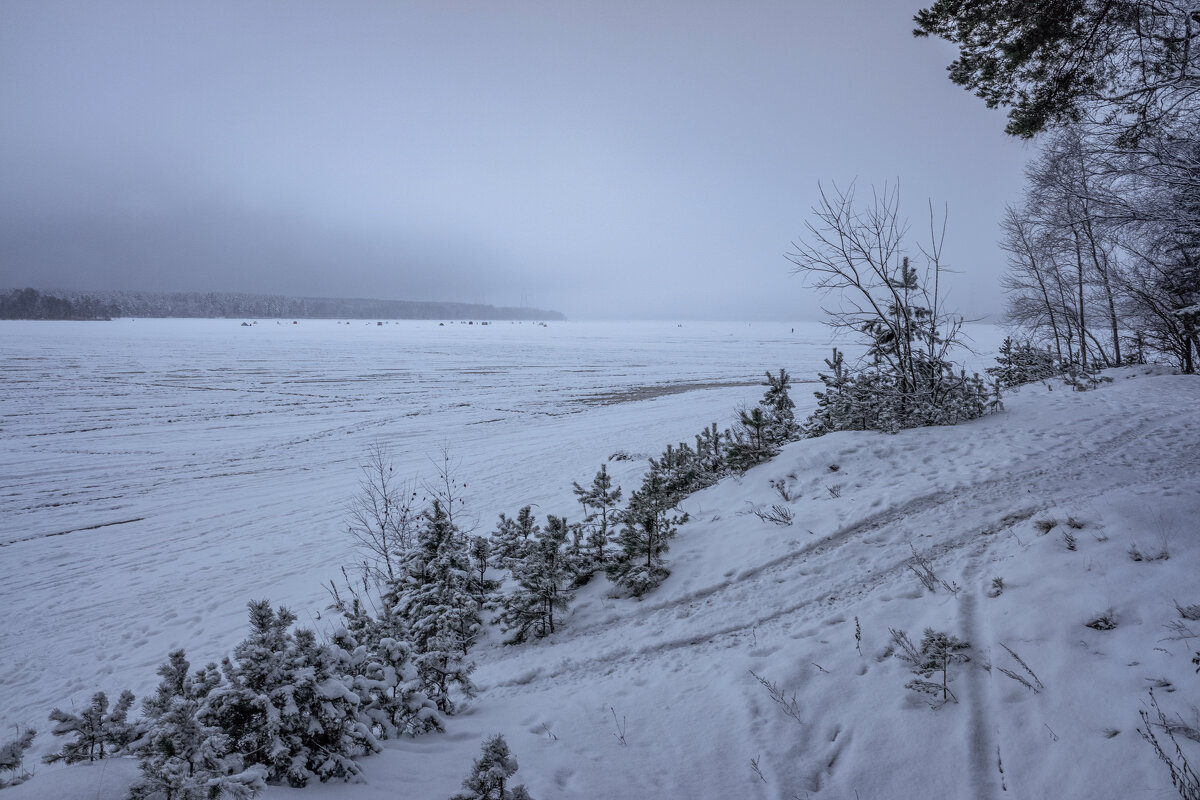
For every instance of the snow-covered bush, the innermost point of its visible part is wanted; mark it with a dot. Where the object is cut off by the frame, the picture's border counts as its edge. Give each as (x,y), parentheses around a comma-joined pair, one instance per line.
(181,757)
(98,731)
(1020,362)
(906,379)
(283,705)
(391,694)
(489,775)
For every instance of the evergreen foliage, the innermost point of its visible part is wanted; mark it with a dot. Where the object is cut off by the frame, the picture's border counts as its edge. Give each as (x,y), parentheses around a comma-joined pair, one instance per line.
(482,587)
(390,691)
(512,536)
(750,441)
(1127,63)
(780,408)
(650,521)
(600,503)
(282,704)
(433,597)
(181,758)
(906,379)
(98,731)
(1020,362)
(489,775)
(12,757)
(937,652)
(543,578)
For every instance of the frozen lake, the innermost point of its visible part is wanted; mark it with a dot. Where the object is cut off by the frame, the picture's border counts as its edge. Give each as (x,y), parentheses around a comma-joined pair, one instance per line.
(157,474)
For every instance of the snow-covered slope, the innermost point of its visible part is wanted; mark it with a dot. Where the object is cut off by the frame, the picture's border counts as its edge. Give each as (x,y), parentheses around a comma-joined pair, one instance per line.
(656,698)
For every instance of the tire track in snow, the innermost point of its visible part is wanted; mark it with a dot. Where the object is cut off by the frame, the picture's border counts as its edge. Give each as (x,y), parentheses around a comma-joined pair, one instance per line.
(999,491)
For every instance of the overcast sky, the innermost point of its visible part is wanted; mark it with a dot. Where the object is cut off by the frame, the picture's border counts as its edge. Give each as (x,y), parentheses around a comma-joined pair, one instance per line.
(606,159)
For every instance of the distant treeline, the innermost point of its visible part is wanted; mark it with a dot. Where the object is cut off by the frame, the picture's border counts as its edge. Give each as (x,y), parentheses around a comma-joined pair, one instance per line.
(31,304)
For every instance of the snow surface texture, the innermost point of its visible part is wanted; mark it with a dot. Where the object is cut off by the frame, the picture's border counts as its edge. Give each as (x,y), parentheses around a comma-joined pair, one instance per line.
(655,698)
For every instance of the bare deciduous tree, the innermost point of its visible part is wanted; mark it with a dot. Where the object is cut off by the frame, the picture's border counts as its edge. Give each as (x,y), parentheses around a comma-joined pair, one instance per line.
(382,517)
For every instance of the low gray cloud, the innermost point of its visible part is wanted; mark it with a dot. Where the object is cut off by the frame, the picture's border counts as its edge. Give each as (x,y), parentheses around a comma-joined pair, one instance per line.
(606,160)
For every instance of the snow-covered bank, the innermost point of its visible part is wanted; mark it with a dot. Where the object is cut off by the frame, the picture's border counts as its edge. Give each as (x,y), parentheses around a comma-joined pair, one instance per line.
(1117,468)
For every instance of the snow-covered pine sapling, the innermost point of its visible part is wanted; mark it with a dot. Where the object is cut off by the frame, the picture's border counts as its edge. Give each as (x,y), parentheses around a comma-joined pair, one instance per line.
(937,652)
(433,596)
(750,440)
(482,587)
(997,587)
(710,453)
(650,520)
(543,578)
(98,732)
(600,503)
(490,773)
(12,756)
(382,673)
(512,536)
(180,755)
(284,705)
(780,409)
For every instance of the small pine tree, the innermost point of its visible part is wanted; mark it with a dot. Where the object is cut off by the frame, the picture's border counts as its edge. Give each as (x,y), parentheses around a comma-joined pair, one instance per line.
(283,706)
(389,687)
(512,536)
(433,596)
(750,442)
(542,579)
(482,587)
(600,502)
(1018,363)
(780,408)
(489,775)
(937,652)
(98,731)
(180,757)
(710,453)
(650,520)
(12,757)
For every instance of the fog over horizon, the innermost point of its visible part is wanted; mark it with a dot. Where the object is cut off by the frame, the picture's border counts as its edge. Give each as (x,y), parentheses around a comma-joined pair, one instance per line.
(609,161)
